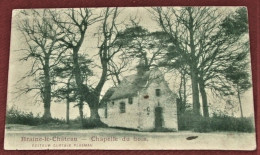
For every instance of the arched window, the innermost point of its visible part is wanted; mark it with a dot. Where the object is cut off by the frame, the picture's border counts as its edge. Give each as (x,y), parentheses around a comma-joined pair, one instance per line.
(122,107)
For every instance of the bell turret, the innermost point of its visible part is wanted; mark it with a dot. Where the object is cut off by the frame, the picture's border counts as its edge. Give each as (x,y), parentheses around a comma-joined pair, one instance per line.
(141,67)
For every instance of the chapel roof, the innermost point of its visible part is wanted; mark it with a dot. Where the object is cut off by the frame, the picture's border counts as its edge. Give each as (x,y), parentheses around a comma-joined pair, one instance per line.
(131,85)
(107,96)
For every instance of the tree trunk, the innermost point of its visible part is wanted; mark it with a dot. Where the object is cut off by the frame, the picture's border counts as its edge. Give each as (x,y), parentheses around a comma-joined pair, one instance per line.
(117,78)
(94,114)
(81,112)
(239,99)
(184,93)
(68,111)
(204,99)
(47,91)
(68,101)
(93,105)
(180,100)
(79,82)
(193,65)
(106,112)
(47,112)
(195,92)
(77,73)
(94,120)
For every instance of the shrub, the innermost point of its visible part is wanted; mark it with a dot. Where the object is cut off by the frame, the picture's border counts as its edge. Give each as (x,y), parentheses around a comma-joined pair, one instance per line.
(188,121)
(228,123)
(89,123)
(15,116)
(201,124)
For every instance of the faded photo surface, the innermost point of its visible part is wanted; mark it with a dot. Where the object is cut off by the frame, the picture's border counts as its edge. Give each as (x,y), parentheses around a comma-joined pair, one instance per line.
(139,78)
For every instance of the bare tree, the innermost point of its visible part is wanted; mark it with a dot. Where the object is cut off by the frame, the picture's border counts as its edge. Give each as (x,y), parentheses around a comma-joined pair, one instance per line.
(174,63)
(45,53)
(226,48)
(116,69)
(199,41)
(180,25)
(137,42)
(73,25)
(236,26)
(66,88)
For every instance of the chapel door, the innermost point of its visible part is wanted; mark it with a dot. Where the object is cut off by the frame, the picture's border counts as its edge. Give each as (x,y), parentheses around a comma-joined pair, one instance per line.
(158,117)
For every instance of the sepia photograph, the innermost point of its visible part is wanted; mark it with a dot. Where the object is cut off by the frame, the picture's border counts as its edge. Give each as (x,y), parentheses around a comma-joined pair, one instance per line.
(130,78)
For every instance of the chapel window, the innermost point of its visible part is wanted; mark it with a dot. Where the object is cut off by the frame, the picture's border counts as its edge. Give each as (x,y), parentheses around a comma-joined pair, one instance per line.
(130,100)
(122,107)
(158,92)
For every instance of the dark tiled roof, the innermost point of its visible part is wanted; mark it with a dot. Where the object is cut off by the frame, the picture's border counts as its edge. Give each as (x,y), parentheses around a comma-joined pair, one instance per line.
(131,85)
(107,96)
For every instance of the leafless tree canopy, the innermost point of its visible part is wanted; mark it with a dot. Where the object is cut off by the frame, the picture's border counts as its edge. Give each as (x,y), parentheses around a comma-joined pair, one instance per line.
(205,46)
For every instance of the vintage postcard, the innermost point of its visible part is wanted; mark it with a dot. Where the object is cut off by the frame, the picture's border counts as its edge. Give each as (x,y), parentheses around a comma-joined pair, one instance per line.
(132,78)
